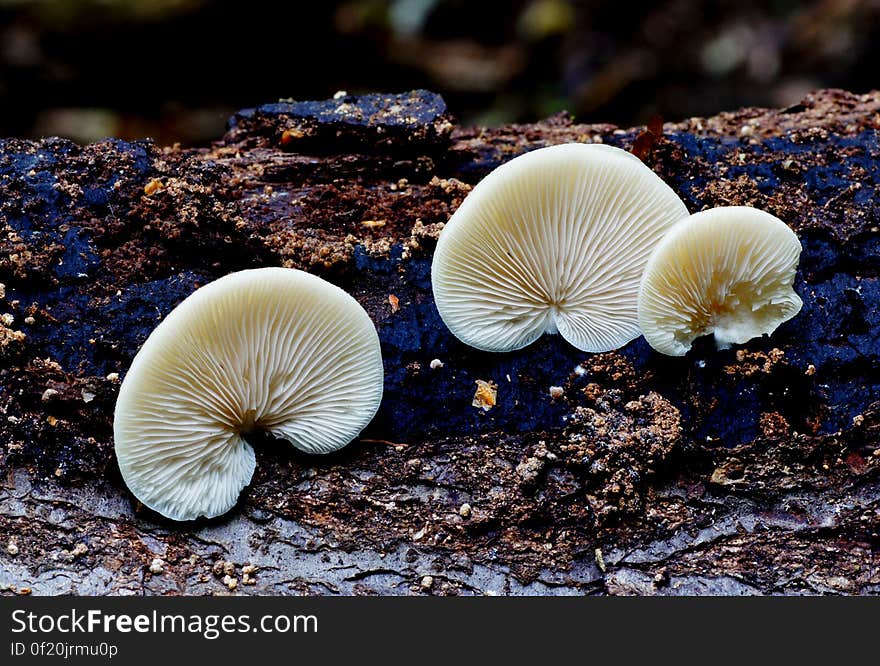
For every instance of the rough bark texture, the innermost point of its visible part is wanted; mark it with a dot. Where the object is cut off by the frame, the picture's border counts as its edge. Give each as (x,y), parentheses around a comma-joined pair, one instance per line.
(752,470)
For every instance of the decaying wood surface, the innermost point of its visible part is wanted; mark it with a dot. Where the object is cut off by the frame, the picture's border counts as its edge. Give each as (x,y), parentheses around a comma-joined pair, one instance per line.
(752,470)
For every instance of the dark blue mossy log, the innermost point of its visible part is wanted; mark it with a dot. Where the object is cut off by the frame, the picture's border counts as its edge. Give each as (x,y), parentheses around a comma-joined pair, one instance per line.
(751,470)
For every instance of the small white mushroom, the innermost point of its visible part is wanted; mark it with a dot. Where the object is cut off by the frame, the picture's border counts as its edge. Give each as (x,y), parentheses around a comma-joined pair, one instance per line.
(727,271)
(554,240)
(274,349)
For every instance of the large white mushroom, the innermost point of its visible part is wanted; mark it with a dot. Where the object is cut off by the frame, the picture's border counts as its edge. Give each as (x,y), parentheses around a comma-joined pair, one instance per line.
(727,271)
(554,240)
(274,349)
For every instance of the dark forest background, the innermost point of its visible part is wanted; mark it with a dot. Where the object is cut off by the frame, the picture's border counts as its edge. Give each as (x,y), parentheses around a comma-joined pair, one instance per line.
(175,69)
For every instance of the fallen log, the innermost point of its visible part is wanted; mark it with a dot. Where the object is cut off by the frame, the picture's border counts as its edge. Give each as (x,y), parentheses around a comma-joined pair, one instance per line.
(745,471)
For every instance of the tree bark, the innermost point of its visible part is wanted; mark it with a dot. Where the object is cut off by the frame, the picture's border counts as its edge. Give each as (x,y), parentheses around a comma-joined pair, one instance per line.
(745,471)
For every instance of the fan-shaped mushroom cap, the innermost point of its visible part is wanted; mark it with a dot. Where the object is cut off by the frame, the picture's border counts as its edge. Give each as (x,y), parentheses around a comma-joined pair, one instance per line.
(554,240)
(274,349)
(727,271)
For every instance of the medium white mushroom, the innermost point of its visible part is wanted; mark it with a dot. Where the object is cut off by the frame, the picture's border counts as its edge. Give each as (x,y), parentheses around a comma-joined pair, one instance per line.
(727,271)
(273,349)
(553,241)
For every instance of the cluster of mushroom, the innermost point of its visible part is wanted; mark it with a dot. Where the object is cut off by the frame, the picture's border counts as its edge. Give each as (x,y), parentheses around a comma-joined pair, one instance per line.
(587,241)
(583,240)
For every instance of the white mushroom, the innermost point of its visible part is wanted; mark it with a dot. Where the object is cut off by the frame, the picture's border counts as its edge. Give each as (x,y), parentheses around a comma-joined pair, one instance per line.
(274,349)
(727,271)
(554,240)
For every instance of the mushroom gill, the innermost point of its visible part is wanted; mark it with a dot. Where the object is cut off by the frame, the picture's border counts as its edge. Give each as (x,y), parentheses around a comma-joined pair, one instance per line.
(727,271)
(273,349)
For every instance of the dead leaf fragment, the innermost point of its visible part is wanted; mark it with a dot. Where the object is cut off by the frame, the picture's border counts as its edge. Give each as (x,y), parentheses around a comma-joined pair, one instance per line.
(486,395)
